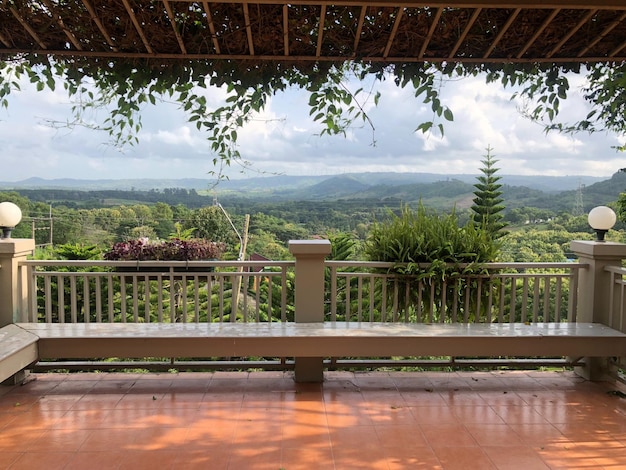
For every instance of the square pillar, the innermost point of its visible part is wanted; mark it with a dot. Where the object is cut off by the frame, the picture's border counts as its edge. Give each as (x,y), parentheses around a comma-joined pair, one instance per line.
(594,295)
(309,298)
(12,251)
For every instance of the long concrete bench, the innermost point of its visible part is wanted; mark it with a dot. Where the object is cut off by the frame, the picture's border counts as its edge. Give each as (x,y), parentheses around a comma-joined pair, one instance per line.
(137,340)
(18,350)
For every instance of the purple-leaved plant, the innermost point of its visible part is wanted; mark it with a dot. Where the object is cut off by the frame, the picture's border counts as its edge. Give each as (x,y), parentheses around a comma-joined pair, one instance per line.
(142,249)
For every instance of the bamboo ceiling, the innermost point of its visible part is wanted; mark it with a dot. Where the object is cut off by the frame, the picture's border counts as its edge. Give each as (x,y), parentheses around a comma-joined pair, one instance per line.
(317,30)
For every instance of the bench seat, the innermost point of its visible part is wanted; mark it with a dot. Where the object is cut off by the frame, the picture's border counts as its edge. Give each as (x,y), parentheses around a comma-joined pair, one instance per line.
(18,349)
(341,339)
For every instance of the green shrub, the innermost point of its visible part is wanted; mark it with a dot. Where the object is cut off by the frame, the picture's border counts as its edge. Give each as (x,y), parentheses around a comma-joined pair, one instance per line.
(435,263)
(422,236)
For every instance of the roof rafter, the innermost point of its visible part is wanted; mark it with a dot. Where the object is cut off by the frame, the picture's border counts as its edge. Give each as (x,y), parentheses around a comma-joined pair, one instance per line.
(394,31)
(431,31)
(101,28)
(502,32)
(573,31)
(170,14)
(209,18)
(133,18)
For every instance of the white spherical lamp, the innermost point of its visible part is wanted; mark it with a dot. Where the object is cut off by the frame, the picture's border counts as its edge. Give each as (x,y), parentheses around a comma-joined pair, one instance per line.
(601,219)
(10,216)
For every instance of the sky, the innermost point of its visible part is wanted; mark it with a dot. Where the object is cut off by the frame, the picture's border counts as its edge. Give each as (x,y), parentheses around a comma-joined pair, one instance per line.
(283,139)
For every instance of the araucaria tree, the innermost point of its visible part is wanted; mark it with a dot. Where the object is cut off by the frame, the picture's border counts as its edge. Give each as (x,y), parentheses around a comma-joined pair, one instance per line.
(487,208)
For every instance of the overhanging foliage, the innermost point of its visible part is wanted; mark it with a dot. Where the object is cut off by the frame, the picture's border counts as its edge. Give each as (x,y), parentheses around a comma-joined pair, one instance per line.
(124,56)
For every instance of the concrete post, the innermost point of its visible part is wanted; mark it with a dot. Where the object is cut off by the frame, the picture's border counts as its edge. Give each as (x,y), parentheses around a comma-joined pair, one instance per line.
(12,251)
(594,299)
(309,298)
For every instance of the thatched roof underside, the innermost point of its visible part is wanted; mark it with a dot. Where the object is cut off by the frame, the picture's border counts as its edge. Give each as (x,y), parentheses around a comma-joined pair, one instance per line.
(316,30)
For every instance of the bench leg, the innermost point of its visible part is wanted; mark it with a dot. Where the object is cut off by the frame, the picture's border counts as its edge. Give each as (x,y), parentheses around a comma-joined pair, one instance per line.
(309,369)
(17,379)
(597,369)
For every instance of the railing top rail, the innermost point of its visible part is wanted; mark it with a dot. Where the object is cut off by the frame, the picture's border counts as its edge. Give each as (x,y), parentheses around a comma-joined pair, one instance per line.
(148,264)
(383,264)
(615,269)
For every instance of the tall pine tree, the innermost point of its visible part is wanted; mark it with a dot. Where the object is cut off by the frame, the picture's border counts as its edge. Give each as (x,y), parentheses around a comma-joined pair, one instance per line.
(488,206)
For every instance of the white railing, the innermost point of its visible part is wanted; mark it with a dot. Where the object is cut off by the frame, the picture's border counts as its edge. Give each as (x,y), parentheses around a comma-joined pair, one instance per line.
(500,292)
(617,306)
(180,292)
(153,291)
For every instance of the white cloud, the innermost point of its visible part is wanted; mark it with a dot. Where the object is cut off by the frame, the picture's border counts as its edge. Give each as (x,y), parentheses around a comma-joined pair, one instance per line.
(284,139)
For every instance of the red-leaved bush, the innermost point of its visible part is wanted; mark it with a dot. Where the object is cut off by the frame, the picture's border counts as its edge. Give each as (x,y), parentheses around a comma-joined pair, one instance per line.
(142,249)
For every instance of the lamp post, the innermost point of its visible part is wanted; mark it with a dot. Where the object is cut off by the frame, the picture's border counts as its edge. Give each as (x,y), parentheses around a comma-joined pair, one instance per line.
(601,219)
(10,216)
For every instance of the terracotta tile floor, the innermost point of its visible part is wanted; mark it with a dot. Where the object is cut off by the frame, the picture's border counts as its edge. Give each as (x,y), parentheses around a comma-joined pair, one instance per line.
(489,420)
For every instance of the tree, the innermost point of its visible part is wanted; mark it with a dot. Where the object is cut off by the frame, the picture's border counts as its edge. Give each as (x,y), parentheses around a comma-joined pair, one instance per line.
(211,223)
(487,207)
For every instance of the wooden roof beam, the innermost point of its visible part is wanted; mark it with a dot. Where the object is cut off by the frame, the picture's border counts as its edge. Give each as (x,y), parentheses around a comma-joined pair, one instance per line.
(95,19)
(465,32)
(510,4)
(359,29)
(170,14)
(502,32)
(278,58)
(61,24)
(618,49)
(431,31)
(246,16)
(286,28)
(566,38)
(27,27)
(209,18)
(603,34)
(320,31)
(4,40)
(541,29)
(394,31)
(505,4)
(133,18)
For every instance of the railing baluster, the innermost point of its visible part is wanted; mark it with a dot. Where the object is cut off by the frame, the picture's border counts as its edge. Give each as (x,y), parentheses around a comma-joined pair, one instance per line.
(477,315)
(572,308)
(86,299)
(490,288)
(546,299)
(283,299)
(372,288)
(557,299)
(270,289)
(466,307)
(61,298)
(111,305)
(136,298)
(245,281)
(443,314)
(431,309)
(98,288)
(524,312)
(454,314)
(146,293)
(502,295)
(48,298)
(512,312)
(383,301)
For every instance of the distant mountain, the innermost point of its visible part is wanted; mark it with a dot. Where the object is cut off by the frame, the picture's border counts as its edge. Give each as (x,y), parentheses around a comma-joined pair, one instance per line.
(284,184)
(359,189)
